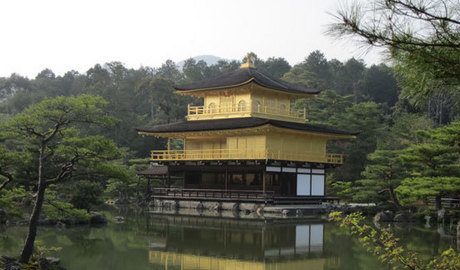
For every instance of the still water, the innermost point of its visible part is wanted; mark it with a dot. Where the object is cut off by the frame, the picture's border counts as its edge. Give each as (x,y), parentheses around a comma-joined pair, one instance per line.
(156,241)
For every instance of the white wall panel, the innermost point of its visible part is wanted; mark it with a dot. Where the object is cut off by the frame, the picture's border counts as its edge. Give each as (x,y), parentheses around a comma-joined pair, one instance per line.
(273,169)
(303,185)
(317,185)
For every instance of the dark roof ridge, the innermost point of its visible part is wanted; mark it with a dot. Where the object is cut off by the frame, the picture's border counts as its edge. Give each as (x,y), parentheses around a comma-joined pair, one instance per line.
(268,78)
(239,123)
(242,76)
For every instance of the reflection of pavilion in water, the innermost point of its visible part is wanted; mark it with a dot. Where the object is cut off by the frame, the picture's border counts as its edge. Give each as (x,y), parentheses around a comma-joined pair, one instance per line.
(238,245)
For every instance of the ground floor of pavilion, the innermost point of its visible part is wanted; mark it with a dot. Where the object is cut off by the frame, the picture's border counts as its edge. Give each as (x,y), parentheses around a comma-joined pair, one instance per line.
(268,182)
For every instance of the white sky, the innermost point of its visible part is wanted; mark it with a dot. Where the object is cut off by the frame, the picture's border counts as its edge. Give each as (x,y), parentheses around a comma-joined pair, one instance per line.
(76,34)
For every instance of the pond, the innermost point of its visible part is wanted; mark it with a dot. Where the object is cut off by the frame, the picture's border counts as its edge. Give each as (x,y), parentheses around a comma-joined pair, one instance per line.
(155,241)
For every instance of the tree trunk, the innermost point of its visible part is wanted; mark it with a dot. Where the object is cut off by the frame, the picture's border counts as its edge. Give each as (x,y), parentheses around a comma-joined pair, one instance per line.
(438,202)
(28,248)
(393,196)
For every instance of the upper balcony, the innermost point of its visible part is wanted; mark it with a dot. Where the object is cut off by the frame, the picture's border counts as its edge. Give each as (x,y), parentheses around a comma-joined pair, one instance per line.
(243,110)
(243,154)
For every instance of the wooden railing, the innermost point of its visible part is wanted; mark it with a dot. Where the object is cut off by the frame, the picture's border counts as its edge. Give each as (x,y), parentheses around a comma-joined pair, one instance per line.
(202,112)
(221,194)
(207,154)
(446,203)
(243,154)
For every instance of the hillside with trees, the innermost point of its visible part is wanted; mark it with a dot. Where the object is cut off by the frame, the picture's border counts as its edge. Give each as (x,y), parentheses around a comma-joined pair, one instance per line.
(394,126)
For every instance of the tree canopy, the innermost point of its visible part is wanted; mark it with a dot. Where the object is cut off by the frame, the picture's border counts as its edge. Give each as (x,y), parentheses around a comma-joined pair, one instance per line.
(57,136)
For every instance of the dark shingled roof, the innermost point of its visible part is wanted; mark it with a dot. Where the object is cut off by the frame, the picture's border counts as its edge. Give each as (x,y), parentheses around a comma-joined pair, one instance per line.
(237,123)
(154,170)
(245,75)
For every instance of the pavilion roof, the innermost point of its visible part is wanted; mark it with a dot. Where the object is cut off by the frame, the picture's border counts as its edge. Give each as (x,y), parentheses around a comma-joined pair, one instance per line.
(239,123)
(154,170)
(244,76)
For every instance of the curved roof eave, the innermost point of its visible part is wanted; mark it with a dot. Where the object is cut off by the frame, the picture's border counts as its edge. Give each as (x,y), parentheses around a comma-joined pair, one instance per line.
(254,80)
(243,76)
(240,123)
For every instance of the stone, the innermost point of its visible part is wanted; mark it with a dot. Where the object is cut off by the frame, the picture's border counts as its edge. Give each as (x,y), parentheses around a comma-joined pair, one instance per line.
(441,213)
(53,260)
(384,216)
(404,216)
(110,202)
(97,218)
(200,206)
(60,225)
(170,204)
(9,263)
(427,223)
(227,206)
(248,206)
(50,263)
(119,219)
(217,207)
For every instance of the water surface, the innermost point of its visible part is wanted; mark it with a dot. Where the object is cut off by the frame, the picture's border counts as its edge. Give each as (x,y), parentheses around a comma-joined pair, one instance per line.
(156,241)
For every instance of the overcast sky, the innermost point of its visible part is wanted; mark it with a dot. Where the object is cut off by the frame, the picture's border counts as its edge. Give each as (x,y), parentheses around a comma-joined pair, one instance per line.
(76,34)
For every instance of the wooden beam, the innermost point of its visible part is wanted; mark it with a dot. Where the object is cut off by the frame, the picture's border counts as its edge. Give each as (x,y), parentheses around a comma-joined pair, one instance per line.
(263,181)
(226,177)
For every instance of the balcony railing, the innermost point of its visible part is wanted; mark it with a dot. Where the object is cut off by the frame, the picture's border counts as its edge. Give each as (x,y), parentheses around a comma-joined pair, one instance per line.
(242,154)
(202,112)
(214,194)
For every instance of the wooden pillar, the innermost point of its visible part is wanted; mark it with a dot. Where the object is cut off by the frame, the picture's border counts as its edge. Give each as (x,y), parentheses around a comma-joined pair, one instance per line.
(183,179)
(264,187)
(226,177)
(169,179)
(169,144)
(149,189)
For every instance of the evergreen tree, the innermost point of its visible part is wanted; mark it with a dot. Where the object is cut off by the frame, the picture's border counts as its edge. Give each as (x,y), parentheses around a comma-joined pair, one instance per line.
(381,177)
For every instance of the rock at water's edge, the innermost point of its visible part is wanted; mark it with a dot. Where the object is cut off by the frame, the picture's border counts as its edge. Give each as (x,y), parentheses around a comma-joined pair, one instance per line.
(404,217)
(384,216)
(97,218)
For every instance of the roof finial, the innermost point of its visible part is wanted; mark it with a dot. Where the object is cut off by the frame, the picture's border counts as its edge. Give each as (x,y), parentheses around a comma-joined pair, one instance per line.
(249,60)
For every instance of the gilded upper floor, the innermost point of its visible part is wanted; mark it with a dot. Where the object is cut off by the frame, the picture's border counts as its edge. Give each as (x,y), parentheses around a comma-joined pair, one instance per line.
(247,115)
(247,139)
(246,92)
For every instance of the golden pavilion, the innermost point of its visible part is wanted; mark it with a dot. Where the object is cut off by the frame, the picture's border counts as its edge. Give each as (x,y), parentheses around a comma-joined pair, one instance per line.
(247,142)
